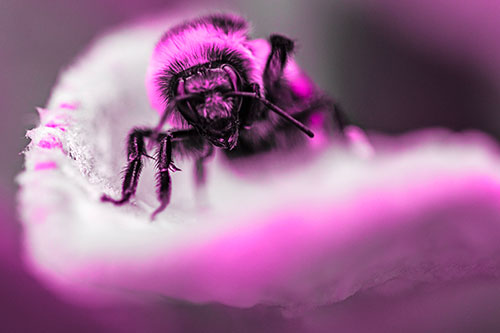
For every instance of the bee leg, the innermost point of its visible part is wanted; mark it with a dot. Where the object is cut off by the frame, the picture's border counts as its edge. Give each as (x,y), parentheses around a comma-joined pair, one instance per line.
(353,136)
(338,116)
(164,165)
(135,151)
(199,171)
(281,47)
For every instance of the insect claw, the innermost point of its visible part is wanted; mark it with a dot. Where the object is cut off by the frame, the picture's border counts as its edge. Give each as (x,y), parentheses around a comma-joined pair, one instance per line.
(158,210)
(106,198)
(173,168)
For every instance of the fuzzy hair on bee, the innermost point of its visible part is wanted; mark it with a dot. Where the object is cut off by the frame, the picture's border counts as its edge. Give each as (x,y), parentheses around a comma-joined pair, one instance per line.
(216,38)
(215,87)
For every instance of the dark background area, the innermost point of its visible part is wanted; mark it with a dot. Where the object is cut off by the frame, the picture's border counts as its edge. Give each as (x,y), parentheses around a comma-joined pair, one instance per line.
(394,66)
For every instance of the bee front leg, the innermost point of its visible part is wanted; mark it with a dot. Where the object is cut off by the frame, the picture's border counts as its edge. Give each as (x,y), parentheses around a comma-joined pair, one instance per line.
(164,165)
(135,151)
(185,139)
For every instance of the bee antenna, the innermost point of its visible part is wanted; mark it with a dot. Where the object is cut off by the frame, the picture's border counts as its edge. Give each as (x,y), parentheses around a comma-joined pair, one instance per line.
(273,108)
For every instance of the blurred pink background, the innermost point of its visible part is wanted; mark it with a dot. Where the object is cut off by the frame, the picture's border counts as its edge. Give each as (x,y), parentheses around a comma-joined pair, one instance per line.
(393,65)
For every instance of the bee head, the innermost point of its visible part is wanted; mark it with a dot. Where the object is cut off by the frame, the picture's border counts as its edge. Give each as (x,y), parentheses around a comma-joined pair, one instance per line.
(206,105)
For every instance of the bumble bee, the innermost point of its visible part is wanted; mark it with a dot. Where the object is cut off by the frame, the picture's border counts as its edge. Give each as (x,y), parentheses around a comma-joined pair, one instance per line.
(218,88)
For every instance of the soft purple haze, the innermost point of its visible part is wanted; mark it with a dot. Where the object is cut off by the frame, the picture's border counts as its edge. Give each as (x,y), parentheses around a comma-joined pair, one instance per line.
(394,67)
